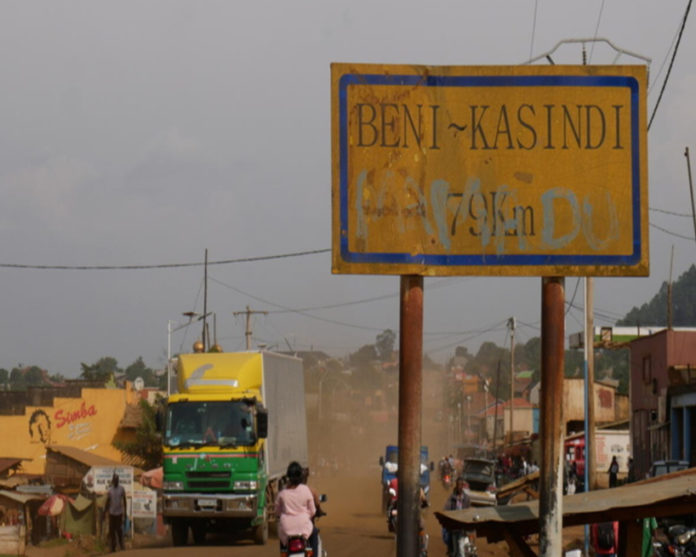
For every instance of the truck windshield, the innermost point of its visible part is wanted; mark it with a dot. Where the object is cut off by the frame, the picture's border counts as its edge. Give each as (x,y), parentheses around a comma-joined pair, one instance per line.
(219,423)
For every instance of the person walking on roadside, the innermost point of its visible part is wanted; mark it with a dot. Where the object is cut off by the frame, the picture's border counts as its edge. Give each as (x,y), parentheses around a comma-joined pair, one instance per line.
(459,499)
(116,509)
(613,472)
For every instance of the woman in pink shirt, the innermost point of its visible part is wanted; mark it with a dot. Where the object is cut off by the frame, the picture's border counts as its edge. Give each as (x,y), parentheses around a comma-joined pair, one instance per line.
(295,506)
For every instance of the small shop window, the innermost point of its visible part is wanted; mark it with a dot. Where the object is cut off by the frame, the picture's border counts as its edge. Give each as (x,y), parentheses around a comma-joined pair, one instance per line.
(647,370)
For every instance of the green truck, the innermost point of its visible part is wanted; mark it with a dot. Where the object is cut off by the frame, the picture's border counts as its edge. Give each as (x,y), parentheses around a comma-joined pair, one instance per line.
(230,431)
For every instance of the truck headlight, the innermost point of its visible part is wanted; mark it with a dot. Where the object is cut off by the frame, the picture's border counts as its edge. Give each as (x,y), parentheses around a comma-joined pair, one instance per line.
(173,486)
(245,485)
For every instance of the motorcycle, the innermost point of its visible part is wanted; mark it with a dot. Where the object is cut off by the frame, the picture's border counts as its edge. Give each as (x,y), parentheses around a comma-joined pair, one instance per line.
(392,521)
(464,545)
(681,542)
(299,546)
(391,511)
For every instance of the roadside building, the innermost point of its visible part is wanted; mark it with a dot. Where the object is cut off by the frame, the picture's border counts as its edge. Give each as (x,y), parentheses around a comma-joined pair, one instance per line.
(663,398)
(85,418)
(609,405)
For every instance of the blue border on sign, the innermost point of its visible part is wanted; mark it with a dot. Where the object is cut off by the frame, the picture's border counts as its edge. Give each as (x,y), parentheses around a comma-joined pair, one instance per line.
(488,81)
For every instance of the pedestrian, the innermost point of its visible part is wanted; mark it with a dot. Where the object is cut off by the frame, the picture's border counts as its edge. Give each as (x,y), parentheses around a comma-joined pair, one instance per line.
(116,509)
(631,471)
(524,468)
(613,472)
(459,499)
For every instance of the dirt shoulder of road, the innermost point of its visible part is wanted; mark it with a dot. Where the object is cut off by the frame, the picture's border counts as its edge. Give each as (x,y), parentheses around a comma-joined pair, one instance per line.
(89,546)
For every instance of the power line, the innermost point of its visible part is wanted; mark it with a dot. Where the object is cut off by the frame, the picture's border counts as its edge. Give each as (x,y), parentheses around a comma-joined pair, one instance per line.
(664,61)
(531,45)
(671,63)
(670,232)
(599,18)
(160,265)
(572,299)
(673,213)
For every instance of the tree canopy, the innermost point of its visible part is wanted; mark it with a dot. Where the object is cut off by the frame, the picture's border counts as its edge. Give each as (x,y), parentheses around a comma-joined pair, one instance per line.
(654,312)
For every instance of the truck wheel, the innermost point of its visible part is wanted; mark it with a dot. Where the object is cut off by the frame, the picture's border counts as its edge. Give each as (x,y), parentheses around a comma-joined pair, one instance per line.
(179,532)
(261,532)
(198,529)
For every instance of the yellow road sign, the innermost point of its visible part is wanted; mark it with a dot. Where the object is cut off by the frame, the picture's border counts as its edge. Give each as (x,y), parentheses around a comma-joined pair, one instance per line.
(489,170)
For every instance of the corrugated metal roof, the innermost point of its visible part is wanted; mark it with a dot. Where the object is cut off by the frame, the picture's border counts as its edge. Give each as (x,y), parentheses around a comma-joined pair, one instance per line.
(6,463)
(629,501)
(22,498)
(90,459)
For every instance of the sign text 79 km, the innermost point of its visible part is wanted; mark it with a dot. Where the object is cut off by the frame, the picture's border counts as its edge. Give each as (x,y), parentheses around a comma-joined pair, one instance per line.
(512,170)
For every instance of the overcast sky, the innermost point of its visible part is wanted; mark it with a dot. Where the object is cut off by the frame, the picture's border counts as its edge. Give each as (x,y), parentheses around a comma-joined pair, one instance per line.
(142,133)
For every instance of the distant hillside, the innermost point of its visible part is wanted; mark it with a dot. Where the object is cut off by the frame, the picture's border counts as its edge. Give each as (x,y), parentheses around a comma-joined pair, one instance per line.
(654,312)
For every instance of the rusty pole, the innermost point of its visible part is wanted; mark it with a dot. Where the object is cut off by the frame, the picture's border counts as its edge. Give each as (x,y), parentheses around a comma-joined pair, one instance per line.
(410,401)
(551,473)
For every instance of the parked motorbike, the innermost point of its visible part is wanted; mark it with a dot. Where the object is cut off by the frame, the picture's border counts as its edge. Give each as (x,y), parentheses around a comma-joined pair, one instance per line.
(681,542)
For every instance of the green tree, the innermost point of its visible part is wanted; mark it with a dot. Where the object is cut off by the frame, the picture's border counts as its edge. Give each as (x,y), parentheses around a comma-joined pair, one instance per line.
(4,376)
(30,376)
(365,355)
(139,369)
(384,345)
(102,370)
(654,312)
(147,445)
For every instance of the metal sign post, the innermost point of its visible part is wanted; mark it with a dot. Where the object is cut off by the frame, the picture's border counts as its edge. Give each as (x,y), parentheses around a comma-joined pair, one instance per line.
(551,434)
(410,402)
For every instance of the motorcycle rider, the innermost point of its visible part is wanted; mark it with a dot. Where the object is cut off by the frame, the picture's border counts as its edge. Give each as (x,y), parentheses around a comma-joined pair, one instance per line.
(294,506)
(458,499)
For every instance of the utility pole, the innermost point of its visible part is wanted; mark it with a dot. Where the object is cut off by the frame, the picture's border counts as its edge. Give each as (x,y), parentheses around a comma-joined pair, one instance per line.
(691,188)
(497,398)
(590,452)
(511,324)
(670,316)
(248,312)
(205,303)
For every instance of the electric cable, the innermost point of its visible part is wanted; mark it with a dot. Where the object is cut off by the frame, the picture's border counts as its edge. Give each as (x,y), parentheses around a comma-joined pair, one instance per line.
(673,213)
(599,18)
(160,265)
(671,63)
(534,20)
(671,233)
